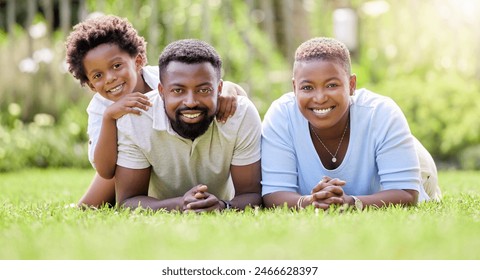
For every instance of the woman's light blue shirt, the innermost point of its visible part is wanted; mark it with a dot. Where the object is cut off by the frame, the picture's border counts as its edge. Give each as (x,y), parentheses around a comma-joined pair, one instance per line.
(381,154)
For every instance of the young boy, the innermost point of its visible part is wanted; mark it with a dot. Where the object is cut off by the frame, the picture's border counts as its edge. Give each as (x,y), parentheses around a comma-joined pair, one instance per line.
(107,54)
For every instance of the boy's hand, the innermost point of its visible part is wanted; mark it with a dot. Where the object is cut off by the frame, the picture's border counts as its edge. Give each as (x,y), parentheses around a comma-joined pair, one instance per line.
(128,104)
(227,100)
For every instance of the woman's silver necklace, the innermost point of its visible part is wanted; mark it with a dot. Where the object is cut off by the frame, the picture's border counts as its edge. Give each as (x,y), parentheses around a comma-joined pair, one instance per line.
(334,156)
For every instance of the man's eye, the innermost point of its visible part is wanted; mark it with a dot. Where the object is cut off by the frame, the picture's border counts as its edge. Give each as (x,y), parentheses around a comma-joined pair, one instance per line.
(177,90)
(332,85)
(306,88)
(205,90)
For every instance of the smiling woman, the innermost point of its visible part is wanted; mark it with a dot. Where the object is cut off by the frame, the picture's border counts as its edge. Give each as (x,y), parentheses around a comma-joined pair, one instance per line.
(327,144)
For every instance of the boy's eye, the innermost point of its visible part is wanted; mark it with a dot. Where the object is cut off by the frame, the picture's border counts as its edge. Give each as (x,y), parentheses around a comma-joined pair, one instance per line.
(96,76)
(332,85)
(177,90)
(117,65)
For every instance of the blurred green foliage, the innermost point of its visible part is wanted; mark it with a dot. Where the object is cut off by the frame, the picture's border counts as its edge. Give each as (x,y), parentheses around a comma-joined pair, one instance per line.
(411,58)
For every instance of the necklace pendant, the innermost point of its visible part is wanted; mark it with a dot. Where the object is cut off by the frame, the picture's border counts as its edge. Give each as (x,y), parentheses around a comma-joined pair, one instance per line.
(334,159)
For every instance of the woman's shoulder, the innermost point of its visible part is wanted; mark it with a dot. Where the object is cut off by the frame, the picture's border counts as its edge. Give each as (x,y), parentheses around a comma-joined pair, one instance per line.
(367,98)
(285,101)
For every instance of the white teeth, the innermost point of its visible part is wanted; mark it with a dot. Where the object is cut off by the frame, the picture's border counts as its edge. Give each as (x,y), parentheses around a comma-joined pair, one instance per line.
(115,89)
(322,111)
(191,116)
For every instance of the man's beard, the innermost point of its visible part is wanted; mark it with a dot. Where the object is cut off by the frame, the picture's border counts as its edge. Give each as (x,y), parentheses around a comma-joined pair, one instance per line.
(191,130)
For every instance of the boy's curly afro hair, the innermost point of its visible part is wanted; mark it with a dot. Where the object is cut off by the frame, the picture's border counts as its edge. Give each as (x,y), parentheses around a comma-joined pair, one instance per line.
(106,29)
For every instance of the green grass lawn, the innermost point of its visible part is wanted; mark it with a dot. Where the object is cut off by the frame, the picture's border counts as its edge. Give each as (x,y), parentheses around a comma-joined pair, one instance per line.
(36,222)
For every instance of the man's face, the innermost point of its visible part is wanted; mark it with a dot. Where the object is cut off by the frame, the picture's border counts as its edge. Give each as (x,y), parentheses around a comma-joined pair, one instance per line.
(190,93)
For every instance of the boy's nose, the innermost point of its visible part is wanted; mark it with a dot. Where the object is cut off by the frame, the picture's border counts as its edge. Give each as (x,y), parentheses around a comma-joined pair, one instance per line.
(110,77)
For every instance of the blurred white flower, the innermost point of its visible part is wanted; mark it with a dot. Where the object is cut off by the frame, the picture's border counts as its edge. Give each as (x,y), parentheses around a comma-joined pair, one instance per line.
(14,109)
(43,119)
(28,65)
(38,30)
(43,55)
(74,128)
(63,67)
(375,8)
(94,15)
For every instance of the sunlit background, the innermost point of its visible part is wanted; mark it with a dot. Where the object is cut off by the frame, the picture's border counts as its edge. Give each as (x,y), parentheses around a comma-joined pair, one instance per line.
(423,54)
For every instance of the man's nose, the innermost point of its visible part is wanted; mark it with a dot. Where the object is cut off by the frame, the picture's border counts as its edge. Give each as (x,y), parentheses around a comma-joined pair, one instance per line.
(190,100)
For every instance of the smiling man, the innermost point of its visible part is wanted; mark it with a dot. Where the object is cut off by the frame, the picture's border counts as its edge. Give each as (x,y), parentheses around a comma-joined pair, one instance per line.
(177,156)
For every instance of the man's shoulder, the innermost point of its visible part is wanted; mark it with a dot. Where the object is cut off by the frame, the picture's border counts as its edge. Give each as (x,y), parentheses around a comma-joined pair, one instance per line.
(146,118)
(245,108)
(245,115)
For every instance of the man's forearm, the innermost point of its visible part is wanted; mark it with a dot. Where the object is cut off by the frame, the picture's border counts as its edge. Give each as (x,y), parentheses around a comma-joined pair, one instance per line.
(148,202)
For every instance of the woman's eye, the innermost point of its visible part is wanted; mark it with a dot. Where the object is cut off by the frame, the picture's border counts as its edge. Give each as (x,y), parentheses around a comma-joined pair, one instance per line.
(96,76)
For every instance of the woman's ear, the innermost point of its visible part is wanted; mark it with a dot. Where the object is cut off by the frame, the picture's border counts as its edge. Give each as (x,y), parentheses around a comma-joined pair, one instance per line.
(353,84)
(293,84)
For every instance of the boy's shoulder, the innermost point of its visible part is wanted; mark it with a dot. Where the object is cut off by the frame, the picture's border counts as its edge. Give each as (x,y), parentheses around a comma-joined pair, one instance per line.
(98,104)
(151,76)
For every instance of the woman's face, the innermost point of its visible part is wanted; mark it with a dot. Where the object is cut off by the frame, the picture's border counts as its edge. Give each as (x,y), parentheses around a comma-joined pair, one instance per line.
(323,89)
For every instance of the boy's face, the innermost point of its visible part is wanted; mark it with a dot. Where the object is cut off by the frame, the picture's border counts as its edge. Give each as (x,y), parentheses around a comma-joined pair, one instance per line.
(190,93)
(111,71)
(322,89)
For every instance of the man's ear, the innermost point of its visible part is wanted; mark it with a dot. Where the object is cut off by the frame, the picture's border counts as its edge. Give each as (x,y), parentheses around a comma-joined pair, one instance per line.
(160,89)
(220,87)
(353,84)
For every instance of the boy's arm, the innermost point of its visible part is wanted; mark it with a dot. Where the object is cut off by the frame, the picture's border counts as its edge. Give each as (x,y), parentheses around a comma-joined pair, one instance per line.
(106,150)
(227,100)
(100,192)
(105,155)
